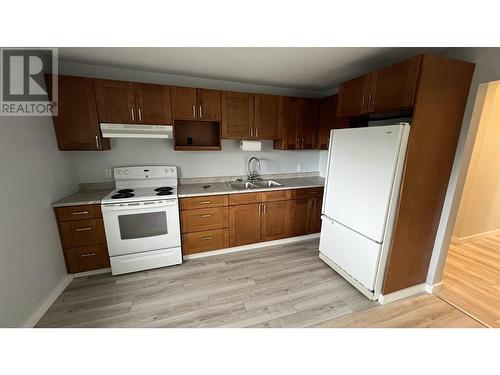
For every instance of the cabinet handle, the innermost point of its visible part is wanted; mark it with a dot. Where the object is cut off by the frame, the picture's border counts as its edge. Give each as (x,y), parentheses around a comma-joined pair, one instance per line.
(264,207)
(133,114)
(87,255)
(206,215)
(370,101)
(194,111)
(83,229)
(80,213)
(201,114)
(205,202)
(206,238)
(97,142)
(256,132)
(140,115)
(251,132)
(259,209)
(363,104)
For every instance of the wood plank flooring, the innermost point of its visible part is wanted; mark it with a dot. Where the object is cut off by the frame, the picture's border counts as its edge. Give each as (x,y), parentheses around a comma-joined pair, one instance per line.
(425,311)
(284,286)
(472,279)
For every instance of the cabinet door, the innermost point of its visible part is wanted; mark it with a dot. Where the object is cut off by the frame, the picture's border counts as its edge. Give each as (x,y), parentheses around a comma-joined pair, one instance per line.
(77,125)
(115,101)
(244,224)
(153,104)
(275,220)
(328,120)
(352,97)
(289,126)
(184,105)
(209,105)
(308,124)
(314,215)
(237,115)
(268,111)
(395,86)
(299,215)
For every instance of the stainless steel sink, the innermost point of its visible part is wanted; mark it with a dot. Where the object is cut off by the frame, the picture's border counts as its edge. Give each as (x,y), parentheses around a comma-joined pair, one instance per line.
(267,183)
(243,185)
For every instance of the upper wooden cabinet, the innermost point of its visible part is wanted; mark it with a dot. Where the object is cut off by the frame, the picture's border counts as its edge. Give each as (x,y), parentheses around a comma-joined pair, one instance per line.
(135,103)
(77,125)
(196,104)
(390,89)
(237,115)
(267,118)
(298,129)
(328,120)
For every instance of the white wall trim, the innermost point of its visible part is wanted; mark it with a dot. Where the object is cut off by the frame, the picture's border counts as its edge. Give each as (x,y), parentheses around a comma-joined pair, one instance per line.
(253,246)
(431,289)
(91,273)
(45,305)
(403,293)
(462,240)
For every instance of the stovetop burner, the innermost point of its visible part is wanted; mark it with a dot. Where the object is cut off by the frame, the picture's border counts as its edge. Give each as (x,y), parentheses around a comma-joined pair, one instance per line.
(123,191)
(122,195)
(164,192)
(164,188)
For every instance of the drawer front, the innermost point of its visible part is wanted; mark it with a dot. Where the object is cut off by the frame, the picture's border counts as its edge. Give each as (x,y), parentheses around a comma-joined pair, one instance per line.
(205,219)
(245,198)
(307,193)
(89,211)
(208,240)
(87,258)
(82,233)
(279,195)
(203,202)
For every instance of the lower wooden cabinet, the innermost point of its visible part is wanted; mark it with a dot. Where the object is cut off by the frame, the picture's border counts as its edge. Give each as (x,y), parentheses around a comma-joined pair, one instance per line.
(244,224)
(275,220)
(206,240)
(300,209)
(82,237)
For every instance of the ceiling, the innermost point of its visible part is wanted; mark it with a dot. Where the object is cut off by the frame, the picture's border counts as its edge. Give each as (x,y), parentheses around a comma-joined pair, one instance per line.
(315,69)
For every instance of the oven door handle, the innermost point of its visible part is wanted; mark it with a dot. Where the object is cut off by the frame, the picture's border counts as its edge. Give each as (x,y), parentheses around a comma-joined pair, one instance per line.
(137,205)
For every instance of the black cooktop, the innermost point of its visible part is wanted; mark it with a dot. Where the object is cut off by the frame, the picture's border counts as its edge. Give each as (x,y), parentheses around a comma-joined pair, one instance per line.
(123,191)
(122,195)
(164,188)
(164,192)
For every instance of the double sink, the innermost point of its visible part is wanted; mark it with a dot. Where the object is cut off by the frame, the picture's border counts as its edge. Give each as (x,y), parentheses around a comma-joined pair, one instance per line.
(258,184)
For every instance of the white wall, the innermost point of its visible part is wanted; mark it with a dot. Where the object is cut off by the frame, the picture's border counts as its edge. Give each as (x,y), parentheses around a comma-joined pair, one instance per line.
(33,174)
(487,69)
(229,162)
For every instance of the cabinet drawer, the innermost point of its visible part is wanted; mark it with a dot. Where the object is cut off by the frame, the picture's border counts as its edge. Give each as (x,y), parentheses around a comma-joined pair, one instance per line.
(82,233)
(245,198)
(87,258)
(203,202)
(279,195)
(204,219)
(89,211)
(207,240)
(307,193)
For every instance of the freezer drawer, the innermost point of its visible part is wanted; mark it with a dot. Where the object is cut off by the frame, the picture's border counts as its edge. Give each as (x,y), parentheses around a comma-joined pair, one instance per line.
(357,255)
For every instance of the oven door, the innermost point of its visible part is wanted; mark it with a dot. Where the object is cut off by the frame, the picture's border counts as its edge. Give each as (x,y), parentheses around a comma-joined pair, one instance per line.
(141,226)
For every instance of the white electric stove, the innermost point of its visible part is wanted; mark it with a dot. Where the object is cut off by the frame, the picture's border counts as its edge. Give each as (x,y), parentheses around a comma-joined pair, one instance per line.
(141,219)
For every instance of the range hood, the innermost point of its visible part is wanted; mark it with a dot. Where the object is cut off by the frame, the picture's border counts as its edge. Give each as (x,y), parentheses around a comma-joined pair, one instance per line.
(136,131)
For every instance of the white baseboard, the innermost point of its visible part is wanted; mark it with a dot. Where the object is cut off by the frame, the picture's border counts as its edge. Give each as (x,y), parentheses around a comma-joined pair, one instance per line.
(431,289)
(462,240)
(403,293)
(93,272)
(45,305)
(254,246)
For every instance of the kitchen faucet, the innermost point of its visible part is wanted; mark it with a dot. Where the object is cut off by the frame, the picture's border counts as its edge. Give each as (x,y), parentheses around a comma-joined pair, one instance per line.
(253,175)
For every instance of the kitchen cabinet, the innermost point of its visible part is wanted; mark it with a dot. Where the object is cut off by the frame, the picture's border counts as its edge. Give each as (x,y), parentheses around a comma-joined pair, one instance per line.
(299,126)
(132,103)
(267,117)
(196,104)
(355,96)
(275,220)
(328,120)
(237,115)
(81,230)
(77,123)
(244,224)
(306,211)
(299,214)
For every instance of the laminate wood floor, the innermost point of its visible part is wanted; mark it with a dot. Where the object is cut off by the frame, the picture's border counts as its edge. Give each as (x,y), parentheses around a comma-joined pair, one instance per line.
(284,286)
(472,279)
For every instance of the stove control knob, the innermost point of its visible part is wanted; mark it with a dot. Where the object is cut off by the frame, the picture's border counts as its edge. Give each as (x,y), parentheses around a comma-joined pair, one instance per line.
(119,172)
(126,171)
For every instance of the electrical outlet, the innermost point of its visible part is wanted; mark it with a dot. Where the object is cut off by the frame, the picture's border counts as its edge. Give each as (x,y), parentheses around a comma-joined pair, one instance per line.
(299,167)
(108,173)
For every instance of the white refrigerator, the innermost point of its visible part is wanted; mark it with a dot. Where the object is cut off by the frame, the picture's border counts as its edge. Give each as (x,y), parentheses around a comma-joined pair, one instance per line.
(363,179)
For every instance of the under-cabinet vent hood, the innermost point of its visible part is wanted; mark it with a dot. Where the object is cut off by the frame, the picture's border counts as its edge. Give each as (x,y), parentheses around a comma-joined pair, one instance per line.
(136,131)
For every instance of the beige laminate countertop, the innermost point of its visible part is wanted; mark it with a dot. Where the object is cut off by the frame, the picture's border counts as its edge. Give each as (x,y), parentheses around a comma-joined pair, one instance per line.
(82,197)
(217,188)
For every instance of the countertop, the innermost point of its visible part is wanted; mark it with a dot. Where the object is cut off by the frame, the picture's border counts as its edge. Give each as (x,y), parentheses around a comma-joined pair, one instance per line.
(196,190)
(82,197)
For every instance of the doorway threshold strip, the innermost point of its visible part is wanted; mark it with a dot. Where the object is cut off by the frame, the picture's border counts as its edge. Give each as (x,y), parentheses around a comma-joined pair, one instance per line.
(465,312)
